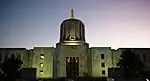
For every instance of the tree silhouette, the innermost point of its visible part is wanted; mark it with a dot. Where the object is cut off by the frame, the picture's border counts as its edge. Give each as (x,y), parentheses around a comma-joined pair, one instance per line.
(131,65)
(1,72)
(11,68)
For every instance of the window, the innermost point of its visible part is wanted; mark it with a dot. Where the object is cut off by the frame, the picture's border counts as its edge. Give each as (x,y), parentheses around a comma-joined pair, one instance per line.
(102,56)
(102,64)
(72,66)
(42,56)
(77,59)
(103,72)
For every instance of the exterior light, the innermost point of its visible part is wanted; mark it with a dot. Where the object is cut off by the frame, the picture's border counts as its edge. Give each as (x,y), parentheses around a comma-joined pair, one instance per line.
(41,65)
(41,72)
(42,56)
(110,79)
(147,80)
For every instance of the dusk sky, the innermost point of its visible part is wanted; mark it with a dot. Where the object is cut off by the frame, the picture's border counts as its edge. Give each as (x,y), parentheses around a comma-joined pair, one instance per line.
(108,23)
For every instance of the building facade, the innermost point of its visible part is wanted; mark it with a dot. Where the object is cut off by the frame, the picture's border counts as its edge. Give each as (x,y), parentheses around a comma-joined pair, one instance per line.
(72,55)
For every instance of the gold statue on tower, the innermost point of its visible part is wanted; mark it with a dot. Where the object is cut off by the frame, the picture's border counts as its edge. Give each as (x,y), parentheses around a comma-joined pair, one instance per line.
(72,13)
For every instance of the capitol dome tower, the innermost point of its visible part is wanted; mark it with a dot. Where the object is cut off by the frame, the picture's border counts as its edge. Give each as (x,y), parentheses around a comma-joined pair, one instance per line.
(72,30)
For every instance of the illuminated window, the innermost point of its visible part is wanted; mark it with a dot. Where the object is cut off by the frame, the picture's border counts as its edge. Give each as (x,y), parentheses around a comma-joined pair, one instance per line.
(41,72)
(72,66)
(67,59)
(71,59)
(77,59)
(42,56)
(41,65)
(102,56)
(103,64)
(103,72)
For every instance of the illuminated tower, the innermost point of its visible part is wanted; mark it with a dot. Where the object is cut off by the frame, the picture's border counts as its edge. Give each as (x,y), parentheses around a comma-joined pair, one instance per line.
(72,31)
(72,45)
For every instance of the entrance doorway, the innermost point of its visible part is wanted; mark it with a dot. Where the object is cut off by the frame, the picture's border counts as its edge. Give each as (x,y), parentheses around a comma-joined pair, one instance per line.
(72,66)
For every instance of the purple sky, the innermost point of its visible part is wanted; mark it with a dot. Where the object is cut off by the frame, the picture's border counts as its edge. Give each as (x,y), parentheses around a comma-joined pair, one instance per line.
(114,23)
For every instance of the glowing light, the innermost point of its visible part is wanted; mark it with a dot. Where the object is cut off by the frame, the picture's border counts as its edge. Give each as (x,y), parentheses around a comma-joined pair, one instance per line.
(72,38)
(110,79)
(42,57)
(147,80)
(41,72)
(72,42)
(41,65)
(69,43)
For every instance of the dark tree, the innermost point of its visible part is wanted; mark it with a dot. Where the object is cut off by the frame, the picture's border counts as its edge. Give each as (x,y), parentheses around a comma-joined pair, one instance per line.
(131,65)
(11,68)
(1,72)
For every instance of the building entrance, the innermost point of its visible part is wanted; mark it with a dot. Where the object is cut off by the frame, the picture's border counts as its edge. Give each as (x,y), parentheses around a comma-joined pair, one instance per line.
(72,66)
